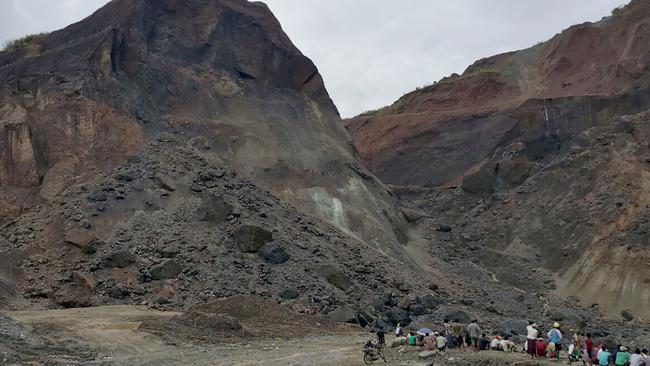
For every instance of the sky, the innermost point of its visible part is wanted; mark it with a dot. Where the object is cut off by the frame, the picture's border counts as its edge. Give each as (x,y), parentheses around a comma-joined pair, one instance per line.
(370,52)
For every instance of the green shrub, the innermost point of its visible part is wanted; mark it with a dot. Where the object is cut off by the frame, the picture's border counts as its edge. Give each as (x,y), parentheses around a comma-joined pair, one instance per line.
(618,10)
(23,41)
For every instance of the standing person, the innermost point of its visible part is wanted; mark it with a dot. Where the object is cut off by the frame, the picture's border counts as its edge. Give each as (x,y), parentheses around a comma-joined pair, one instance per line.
(381,337)
(555,336)
(457,330)
(474,333)
(448,333)
(636,358)
(531,339)
(589,345)
(603,356)
(399,332)
(622,356)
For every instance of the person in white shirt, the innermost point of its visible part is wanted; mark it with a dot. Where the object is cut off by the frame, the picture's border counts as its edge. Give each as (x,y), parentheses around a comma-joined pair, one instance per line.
(636,359)
(531,339)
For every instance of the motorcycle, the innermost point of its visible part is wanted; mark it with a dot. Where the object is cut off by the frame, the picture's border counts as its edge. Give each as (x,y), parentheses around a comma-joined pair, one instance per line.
(372,352)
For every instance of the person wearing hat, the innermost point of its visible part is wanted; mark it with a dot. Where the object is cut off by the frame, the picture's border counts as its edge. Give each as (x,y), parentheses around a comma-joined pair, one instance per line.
(555,336)
(622,356)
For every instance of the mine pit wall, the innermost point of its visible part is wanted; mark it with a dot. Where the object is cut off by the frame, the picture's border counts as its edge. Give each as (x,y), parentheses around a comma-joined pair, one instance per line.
(612,278)
(568,116)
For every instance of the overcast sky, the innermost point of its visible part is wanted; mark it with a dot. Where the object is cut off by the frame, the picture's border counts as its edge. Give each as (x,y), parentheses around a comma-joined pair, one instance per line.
(370,52)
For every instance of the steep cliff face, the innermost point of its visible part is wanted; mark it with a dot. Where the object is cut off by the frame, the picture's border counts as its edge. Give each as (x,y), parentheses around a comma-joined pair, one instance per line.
(580,78)
(84,98)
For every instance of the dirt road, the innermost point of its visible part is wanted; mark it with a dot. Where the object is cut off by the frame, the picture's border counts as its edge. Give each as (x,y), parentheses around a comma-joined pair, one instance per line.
(112,331)
(113,335)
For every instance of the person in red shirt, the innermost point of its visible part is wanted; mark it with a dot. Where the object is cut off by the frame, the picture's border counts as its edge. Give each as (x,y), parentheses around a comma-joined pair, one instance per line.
(541,348)
(589,345)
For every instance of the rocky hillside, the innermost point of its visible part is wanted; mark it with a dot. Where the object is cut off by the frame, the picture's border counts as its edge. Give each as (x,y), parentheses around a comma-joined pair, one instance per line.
(580,78)
(172,151)
(83,99)
(532,164)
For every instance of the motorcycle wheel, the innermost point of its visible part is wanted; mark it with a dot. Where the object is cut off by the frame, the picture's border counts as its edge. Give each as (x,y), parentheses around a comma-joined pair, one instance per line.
(367,358)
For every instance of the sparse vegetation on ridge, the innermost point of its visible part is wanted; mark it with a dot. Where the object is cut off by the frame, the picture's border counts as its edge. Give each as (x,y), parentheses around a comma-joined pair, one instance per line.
(619,9)
(23,41)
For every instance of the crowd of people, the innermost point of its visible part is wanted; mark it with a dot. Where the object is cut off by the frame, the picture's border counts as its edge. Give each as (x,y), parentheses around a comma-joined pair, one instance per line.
(549,345)
(579,348)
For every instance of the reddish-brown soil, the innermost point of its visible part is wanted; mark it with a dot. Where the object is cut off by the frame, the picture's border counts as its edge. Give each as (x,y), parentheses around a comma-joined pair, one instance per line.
(449,127)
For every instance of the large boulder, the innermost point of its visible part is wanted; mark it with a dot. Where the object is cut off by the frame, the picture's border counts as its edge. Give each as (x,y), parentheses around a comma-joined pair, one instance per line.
(397,315)
(511,327)
(397,342)
(119,259)
(165,270)
(273,253)
(250,238)
(458,316)
(343,314)
(214,209)
(334,275)
(289,294)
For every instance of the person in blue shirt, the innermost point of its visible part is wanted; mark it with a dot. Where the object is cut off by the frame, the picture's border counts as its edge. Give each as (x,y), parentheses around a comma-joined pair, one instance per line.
(555,336)
(603,357)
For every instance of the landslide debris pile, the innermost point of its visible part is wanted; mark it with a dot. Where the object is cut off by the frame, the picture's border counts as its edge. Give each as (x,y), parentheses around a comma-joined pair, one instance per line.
(169,153)
(172,227)
(82,99)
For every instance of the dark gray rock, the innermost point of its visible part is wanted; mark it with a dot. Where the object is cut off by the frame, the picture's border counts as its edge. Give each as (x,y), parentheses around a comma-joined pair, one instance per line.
(214,209)
(511,327)
(273,253)
(166,270)
(343,314)
(443,228)
(120,259)
(334,275)
(165,183)
(170,251)
(118,292)
(417,309)
(458,316)
(250,238)
(429,301)
(289,294)
(397,315)
(627,315)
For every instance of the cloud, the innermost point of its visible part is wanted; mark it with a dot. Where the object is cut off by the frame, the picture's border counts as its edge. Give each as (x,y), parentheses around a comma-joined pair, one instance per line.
(370,52)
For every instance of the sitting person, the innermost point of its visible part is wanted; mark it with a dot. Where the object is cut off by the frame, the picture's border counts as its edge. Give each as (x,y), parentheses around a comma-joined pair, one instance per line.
(507,345)
(429,343)
(541,347)
(484,343)
(495,345)
(412,339)
(419,340)
(551,350)
(441,342)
